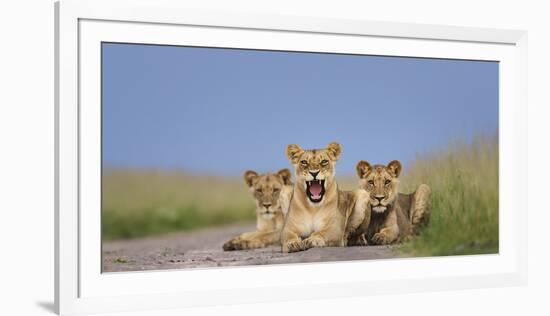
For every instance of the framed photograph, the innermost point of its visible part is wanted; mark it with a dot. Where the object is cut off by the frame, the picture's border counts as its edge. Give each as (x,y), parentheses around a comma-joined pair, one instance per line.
(208,157)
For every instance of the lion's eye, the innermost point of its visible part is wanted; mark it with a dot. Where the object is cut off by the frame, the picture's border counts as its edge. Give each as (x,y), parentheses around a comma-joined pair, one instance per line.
(371,182)
(387,182)
(275,190)
(324,162)
(259,191)
(303,162)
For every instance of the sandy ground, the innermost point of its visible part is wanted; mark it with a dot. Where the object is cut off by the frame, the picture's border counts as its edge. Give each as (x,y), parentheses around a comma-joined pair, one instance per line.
(203,249)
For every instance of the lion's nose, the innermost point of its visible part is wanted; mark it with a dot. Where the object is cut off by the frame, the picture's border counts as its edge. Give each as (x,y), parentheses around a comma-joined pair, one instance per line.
(314,174)
(267,205)
(379,198)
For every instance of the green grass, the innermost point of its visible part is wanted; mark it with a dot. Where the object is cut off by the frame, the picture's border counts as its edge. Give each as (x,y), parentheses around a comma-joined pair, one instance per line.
(464,182)
(139,203)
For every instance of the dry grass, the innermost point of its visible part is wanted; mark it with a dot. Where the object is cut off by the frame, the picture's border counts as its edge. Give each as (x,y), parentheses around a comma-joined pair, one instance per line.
(139,203)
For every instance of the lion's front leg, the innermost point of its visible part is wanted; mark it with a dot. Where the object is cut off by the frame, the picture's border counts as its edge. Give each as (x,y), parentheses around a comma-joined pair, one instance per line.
(331,234)
(235,243)
(421,208)
(359,220)
(251,240)
(240,243)
(389,232)
(290,240)
(271,238)
(291,235)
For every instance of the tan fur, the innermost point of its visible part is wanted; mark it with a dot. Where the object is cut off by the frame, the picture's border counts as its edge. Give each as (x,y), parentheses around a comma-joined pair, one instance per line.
(324,221)
(271,192)
(394,216)
(356,206)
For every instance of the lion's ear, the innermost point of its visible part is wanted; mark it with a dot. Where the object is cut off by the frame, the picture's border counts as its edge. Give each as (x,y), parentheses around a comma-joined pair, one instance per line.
(285,175)
(394,167)
(293,152)
(334,150)
(249,177)
(362,168)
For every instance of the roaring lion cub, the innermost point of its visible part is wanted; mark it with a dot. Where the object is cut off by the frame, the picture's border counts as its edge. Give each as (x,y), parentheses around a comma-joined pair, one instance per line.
(319,214)
(272,194)
(395,216)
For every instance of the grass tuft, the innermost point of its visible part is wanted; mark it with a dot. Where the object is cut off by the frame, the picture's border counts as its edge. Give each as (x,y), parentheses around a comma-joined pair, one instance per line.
(464,182)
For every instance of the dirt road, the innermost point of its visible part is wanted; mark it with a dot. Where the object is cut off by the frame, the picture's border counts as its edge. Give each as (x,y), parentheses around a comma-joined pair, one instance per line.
(203,248)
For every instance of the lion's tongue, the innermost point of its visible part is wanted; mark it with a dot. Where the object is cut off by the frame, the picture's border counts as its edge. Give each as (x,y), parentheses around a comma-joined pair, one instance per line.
(315,189)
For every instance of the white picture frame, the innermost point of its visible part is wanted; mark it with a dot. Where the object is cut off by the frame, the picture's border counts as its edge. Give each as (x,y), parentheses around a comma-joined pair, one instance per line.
(81,287)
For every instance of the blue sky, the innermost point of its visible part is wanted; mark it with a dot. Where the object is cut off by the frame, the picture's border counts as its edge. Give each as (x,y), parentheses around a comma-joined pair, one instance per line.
(208,110)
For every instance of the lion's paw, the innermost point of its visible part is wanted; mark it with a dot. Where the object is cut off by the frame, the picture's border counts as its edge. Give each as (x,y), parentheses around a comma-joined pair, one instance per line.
(231,245)
(242,244)
(293,246)
(380,239)
(314,241)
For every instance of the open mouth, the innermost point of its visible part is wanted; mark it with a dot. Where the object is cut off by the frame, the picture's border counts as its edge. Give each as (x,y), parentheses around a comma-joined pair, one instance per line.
(315,190)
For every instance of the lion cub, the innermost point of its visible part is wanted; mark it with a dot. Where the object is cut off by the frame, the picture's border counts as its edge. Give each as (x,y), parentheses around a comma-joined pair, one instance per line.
(319,214)
(395,216)
(271,192)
